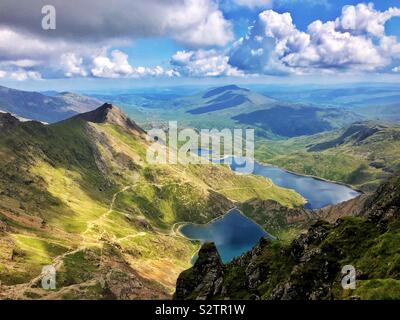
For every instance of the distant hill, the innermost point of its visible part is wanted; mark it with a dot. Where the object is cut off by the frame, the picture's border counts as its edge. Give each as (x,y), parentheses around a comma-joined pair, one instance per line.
(287,121)
(357,134)
(226,97)
(40,107)
(220,98)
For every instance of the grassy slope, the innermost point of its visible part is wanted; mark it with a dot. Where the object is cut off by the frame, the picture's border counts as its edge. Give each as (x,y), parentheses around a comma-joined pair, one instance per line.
(81,195)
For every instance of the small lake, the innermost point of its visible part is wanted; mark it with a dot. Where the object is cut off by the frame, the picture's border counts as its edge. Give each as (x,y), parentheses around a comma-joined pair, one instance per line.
(233,234)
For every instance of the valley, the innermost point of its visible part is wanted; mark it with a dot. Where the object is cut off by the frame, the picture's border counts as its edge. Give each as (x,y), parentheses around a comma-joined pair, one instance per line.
(79,194)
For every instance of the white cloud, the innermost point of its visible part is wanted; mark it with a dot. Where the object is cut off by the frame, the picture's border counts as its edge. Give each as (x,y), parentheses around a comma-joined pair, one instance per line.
(209,63)
(23,57)
(79,45)
(20,75)
(118,66)
(97,20)
(23,51)
(254,3)
(396,69)
(72,65)
(113,67)
(213,30)
(363,18)
(354,41)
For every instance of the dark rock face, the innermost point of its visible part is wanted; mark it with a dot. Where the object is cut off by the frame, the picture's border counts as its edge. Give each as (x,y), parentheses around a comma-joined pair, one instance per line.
(204,280)
(315,235)
(314,271)
(384,205)
(7,121)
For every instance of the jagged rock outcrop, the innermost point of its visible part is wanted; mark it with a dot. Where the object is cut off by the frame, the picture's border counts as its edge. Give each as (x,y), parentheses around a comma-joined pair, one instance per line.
(7,121)
(204,280)
(384,205)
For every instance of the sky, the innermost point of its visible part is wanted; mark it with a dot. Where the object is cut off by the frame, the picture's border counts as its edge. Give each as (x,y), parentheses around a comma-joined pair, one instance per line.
(100,43)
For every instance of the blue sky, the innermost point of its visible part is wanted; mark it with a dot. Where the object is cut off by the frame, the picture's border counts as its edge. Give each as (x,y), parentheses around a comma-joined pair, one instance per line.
(199,41)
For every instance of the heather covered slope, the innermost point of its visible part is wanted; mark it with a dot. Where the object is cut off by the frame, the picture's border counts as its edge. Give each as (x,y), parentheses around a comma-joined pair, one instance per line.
(310,266)
(80,194)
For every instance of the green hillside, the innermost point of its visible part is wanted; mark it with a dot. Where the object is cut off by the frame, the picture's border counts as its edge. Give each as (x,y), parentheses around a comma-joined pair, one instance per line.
(80,195)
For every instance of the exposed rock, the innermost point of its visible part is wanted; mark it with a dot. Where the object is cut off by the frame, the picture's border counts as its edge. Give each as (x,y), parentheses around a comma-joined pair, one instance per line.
(204,280)
(7,121)
(314,236)
(353,207)
(384,205)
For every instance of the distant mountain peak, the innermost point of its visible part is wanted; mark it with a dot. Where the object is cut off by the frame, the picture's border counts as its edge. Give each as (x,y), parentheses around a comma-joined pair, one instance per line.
(219,90)
(108,113)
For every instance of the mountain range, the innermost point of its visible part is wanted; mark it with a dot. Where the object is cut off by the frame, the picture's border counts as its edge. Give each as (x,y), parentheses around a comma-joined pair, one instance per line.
(233,106)
(46,108)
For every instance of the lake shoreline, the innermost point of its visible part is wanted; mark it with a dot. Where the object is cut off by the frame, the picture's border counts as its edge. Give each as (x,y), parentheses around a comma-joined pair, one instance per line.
(232,215)
(260,162)
(311,176)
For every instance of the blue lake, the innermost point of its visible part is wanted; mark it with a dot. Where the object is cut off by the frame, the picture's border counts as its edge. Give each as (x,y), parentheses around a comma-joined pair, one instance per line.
(317,192)
(233,234)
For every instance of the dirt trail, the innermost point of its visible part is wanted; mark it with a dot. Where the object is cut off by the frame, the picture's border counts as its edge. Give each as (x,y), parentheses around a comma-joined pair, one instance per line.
(17,291)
